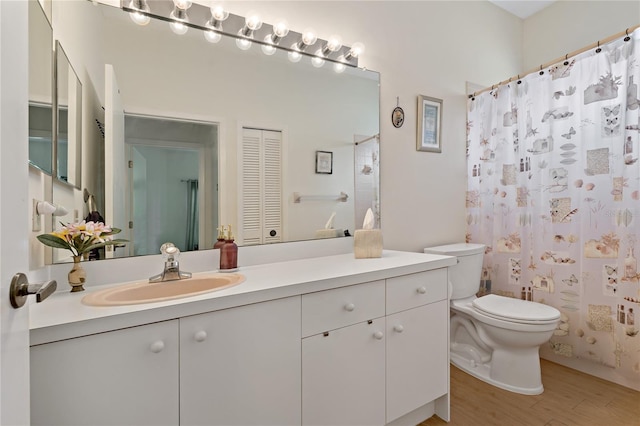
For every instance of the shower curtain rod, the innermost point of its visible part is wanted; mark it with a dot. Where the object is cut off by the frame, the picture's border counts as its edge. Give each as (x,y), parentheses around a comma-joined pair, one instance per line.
(376,136)
(563,58)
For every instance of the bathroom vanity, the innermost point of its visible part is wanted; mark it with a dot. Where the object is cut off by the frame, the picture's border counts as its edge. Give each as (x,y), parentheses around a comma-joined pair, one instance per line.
(327,340)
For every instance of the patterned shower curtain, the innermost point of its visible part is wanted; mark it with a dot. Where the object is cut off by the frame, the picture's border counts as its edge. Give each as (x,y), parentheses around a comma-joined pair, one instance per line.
(553,192)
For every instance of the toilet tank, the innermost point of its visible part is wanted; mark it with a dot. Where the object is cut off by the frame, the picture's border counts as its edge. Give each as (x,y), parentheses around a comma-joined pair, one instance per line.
(465,275)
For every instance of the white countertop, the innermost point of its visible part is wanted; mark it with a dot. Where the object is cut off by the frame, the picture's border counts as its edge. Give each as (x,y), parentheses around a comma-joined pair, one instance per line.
(63,316)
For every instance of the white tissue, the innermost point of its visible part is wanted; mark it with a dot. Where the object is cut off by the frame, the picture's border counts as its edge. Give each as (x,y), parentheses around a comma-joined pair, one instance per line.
(368,220)
(329,224)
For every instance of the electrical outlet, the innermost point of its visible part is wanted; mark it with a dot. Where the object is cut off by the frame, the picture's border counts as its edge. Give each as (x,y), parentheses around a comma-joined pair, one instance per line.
(35,217)
(76,216)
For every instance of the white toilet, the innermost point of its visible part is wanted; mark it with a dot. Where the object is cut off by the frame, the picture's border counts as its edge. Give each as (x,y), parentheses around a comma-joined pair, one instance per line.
(494,338)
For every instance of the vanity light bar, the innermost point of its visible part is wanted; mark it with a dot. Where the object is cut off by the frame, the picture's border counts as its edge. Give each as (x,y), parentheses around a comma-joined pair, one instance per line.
(199,17)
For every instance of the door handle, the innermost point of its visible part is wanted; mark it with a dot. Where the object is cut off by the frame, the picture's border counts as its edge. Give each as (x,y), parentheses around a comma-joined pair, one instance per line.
(20,289)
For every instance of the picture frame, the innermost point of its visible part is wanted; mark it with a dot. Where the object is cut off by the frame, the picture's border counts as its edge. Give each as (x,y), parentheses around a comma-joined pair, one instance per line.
(429,136)
(324,162)
(397,117)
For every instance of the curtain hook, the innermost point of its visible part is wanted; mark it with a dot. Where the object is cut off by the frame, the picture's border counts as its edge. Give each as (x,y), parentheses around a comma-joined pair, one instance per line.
(541,72)
(519,81)
(598,50)
(627,38)
(566,59)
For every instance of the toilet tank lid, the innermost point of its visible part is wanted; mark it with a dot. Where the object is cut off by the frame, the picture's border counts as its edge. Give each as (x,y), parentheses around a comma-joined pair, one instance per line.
(457,249)
(511,308)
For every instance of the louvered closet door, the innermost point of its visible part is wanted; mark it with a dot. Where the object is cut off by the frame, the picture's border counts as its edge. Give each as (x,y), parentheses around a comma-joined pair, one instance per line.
(261,197)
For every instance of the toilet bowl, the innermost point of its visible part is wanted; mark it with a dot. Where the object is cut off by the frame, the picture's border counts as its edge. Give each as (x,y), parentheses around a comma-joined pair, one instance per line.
(494,338)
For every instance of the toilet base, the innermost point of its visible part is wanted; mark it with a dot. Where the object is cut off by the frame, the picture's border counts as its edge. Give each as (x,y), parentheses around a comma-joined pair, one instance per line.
(482,371)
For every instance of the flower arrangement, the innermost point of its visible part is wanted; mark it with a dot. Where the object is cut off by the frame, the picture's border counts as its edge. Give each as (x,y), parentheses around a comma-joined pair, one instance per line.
(82,237)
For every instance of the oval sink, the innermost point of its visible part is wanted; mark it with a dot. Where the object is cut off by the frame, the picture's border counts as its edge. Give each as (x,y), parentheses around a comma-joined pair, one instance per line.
(145,292)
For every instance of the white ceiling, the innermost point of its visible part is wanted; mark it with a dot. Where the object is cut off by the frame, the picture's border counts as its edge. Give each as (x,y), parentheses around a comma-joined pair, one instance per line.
(522,8)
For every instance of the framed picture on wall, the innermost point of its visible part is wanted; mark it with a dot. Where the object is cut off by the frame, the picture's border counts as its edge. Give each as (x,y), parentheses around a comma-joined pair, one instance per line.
(324,162)
(429,116)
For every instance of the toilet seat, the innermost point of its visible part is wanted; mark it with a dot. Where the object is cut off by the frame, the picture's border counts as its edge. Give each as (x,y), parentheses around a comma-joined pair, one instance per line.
(515,310)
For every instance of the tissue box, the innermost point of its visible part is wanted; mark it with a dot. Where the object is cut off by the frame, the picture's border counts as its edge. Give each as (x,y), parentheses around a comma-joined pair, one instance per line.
(367,243)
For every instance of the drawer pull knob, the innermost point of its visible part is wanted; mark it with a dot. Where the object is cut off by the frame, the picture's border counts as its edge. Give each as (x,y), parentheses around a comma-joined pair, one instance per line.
(422,290)
(349,307)
(156,347)
(398,328)
(200,336)
(378,335)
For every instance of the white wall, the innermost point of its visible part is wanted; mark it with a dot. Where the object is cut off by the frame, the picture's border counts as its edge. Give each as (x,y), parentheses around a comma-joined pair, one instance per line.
(567,26)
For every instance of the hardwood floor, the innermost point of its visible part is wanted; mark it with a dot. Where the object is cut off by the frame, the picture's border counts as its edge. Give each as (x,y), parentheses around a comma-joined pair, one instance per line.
(570,398)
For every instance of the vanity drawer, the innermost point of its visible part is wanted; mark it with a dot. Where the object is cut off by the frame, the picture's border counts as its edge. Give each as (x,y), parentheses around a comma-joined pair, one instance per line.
(340,307)
(408,291)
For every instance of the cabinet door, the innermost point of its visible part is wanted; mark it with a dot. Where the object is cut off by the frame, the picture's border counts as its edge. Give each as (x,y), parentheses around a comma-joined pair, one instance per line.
(124,377)
(343,376)
(417,358)
(241,366)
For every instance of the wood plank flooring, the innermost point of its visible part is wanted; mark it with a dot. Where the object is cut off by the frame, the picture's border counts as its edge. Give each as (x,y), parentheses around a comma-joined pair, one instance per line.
(570,398)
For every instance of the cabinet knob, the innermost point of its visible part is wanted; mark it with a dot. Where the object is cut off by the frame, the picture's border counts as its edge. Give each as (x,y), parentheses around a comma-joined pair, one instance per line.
(422,290)
(349,307)
(200,336)
(398,328)
(378,335)
(157,346)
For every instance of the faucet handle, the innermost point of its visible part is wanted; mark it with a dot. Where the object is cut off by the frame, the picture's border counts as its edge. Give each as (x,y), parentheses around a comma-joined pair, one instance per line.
(165,247)
(170,251)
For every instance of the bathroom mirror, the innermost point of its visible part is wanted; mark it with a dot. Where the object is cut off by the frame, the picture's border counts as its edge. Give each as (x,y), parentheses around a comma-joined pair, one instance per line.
(68,146)
(40,89)
(161,75)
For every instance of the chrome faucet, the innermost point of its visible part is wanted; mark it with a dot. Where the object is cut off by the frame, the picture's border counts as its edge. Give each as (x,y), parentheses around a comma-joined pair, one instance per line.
(171,270)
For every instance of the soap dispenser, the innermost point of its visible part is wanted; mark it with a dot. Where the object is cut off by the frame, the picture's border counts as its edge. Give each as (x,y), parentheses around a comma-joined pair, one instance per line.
(229,254)
(221,239)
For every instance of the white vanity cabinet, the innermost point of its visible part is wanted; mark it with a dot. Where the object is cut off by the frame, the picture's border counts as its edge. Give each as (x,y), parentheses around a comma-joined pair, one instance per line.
(324,341)
(375,371)
(241,366)
(122,377)
(417,363)
(343,366)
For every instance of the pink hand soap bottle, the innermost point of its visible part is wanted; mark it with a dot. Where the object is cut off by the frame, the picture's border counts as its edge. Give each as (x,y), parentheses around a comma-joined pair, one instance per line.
(229,254)
(221,239)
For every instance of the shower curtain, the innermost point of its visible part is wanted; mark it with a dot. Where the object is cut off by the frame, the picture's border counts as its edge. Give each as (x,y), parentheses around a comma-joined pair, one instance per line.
(553,192)
(191,240)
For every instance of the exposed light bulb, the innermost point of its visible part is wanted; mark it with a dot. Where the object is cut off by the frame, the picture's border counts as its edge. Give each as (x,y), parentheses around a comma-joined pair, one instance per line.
(334,44)
(269,48)
(281,29)
(356,50)
(309,37)
(253,21)
(243,43)
(178,27)
(179,17)
(339,67)
(139,18)
(182,4)
(212,36)
(294,55)
(317,61)
(218,13)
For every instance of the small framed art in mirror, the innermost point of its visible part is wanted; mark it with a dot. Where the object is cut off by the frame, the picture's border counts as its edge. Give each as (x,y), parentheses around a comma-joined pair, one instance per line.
(324,162)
